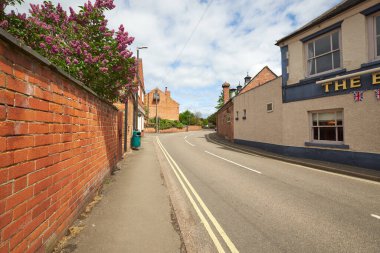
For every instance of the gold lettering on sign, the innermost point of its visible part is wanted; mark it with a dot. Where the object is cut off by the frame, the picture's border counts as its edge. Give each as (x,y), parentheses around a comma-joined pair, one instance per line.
(376,78)
(338,85)
(327,87)
(355,82)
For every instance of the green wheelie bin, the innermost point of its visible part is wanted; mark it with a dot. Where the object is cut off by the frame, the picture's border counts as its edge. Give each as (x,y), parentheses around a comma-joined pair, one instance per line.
(136,139)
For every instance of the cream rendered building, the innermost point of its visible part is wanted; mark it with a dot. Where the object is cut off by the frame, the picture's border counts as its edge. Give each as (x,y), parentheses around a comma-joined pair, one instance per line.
(325,106)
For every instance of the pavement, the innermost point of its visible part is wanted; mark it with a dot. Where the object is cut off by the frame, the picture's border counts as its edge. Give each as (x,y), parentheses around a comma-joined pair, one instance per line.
(134,214)
(327,166)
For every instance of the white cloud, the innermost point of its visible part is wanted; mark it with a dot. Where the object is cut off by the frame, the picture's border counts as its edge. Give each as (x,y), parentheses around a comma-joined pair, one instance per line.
(234,37)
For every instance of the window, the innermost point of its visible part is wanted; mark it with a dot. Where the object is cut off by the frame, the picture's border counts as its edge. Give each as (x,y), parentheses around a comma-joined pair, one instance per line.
(270,107)
(374,33)
(323,54)
(244,114)
(327,126)
(228,119)
(237,115)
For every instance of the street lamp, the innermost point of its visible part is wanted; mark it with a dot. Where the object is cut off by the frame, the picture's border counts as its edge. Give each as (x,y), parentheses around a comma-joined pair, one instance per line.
(156,97)
(135,104)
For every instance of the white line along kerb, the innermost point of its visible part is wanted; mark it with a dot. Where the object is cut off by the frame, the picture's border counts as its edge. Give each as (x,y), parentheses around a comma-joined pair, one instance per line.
(233,162)
(177,170)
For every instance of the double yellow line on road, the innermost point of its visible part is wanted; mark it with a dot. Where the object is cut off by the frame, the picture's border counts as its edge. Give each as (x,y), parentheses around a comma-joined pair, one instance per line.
(187,187)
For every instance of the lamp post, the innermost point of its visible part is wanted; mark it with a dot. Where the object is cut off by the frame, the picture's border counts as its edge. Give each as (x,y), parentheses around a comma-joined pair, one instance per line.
(156,97)
(136,96)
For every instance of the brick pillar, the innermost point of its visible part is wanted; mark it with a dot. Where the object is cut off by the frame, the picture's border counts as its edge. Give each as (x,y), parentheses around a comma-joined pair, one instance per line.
(226,92)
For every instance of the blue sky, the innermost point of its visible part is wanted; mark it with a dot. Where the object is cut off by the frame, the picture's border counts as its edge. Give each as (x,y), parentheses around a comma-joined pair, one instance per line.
(231,39)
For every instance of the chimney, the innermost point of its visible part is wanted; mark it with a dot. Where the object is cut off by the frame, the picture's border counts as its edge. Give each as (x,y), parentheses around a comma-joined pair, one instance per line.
(226,92)
(238,88)
(247,79)
(167,93)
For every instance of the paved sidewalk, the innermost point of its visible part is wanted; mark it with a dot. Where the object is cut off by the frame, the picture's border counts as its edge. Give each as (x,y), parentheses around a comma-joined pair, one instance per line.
(134,214)
(328,166)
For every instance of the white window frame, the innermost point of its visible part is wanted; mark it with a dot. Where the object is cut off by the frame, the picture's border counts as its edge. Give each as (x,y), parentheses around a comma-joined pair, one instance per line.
(372,37)
(336,142)
(306,44)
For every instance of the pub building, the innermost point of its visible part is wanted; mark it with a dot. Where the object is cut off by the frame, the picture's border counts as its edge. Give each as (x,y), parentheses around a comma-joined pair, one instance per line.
(326,104)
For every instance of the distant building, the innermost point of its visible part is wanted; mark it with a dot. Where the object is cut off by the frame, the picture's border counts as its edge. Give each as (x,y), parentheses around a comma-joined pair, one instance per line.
(225,115)
(167,107)
(139,114)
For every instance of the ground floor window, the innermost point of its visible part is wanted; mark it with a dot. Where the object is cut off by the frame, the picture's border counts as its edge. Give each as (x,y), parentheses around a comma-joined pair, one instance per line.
(327,126)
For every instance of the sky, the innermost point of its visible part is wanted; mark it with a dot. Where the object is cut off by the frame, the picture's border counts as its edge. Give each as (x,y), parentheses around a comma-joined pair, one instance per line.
(194,46)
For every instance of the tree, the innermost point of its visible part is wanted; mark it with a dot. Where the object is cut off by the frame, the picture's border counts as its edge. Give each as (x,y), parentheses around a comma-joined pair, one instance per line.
(220,101)
(3,4)
(79,43)
(212,119)
(187,118)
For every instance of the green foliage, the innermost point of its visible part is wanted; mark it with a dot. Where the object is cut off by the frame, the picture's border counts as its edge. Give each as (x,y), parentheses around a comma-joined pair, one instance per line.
(220,101)
(166,124)
(212,119)
(187,118)
(79,43)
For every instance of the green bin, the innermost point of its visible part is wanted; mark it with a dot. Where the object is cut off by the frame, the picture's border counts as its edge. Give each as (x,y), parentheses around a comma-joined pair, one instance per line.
(136,139)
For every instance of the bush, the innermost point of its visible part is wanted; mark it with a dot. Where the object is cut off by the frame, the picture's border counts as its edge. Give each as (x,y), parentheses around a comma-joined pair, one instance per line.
(79,43)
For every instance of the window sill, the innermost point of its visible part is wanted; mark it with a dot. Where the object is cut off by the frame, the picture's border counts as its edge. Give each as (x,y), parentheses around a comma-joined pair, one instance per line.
(322,76)
(370,64)
(325,145)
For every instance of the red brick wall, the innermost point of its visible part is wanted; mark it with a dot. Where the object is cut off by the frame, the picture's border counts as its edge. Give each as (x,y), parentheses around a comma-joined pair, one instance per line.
(167,108)
(225,128)
(121,108)
(57,143)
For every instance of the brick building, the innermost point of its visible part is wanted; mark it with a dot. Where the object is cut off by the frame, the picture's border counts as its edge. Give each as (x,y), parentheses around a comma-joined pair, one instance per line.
(167,107)
(224,120)
(264,75)
(225,115)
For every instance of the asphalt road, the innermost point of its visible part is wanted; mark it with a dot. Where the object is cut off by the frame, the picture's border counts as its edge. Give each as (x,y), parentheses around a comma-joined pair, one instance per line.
(257,204)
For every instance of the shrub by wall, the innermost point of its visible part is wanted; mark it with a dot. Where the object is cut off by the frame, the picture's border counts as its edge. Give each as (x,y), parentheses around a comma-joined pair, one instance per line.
(58,141)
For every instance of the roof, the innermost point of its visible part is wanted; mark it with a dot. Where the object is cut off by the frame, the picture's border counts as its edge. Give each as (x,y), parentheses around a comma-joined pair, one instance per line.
(244,89)
(163,92)
(337,9)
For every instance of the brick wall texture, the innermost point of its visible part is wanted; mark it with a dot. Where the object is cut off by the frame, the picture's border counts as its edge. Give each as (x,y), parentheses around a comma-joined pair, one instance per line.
(225,121)
(57,143)
(121,108)
(167,108)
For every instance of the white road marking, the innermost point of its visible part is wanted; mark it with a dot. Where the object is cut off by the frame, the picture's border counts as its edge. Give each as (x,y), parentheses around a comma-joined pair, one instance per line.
(178,171)
(191,144)
(376,216)
(233,162)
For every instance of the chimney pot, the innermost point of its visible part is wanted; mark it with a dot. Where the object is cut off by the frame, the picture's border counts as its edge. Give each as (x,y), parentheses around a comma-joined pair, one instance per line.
(226,92)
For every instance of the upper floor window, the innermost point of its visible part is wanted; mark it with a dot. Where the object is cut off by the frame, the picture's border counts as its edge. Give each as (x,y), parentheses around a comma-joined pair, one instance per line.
(377,36)
(374,36)
(323,53)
